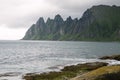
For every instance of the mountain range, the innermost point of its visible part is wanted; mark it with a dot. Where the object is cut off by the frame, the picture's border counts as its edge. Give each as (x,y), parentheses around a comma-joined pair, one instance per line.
(98,23)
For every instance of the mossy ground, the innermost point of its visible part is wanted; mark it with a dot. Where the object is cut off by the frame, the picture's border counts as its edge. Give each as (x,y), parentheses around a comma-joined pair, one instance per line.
(103,73)
(66,73)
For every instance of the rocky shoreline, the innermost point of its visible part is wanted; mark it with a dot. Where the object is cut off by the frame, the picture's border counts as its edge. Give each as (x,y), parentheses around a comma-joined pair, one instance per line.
(87,71)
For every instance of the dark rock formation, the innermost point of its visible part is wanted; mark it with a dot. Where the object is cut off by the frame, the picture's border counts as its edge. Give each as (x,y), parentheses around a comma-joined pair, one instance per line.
(101,23)
(66,73)
(115,57)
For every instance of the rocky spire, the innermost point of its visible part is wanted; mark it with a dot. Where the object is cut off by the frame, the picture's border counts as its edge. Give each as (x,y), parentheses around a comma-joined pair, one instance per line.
(97,23)
(58,18)
(40,22)
(69,18)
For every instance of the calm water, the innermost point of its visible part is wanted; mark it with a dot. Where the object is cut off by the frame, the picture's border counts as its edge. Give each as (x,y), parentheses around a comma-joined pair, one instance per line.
(20,57)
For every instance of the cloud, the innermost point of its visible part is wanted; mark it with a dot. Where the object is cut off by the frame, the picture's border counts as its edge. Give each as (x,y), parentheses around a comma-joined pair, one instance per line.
(79,4)
(21,14)
(76,8)
(7,33)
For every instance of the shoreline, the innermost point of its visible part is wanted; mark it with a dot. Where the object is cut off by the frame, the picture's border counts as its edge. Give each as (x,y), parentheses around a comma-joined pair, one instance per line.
(59,69)
(70,71)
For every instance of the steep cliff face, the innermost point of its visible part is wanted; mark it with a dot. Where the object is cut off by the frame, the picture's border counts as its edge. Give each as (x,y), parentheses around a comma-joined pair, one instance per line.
(97,23)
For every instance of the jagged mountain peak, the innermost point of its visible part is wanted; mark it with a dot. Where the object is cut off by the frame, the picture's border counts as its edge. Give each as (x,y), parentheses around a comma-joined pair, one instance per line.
(69,18)
(49,20)
(100,22)
(58,18)
(40,20)
(76,19)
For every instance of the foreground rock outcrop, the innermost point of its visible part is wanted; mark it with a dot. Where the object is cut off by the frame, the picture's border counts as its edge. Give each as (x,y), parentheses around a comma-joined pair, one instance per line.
(66,73)
(99,23)
(87,71)
(114,57)
(103,73)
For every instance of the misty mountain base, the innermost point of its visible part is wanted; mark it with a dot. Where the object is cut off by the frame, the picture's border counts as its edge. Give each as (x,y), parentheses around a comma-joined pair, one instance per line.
(99,23)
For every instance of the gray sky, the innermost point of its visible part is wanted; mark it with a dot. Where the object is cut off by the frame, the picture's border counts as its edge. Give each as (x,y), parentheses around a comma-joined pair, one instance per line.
(16,16)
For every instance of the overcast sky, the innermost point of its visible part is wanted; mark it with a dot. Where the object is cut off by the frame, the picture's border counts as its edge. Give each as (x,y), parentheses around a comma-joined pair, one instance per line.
(16,16)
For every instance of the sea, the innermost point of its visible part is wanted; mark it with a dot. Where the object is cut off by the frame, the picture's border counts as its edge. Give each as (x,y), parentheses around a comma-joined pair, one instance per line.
(20,57)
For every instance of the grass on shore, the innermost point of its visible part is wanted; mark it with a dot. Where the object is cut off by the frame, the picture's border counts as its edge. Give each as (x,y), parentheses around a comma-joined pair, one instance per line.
(103,73)
(66,73)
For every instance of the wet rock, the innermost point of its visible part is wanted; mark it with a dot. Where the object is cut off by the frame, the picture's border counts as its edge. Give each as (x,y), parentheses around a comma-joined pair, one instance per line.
(10,74)
(66,73)
(115,57)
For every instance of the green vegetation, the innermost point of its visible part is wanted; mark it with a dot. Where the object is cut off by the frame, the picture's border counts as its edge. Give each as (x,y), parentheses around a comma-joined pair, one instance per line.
(87,71)
(66,73)
(99,23)
(103,73)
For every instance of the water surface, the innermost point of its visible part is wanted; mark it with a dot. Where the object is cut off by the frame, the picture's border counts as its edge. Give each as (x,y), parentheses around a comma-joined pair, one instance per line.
(20,57)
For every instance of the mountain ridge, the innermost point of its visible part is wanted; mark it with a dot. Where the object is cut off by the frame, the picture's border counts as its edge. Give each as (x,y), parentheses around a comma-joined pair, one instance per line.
(98,23)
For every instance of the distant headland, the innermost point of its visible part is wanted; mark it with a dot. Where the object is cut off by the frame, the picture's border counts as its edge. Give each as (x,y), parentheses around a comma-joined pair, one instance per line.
(99,23)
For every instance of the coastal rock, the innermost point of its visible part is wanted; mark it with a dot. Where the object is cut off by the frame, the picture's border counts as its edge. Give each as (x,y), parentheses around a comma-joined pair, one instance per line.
(86,66)
(103,73)
(115,57)
(66,73)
